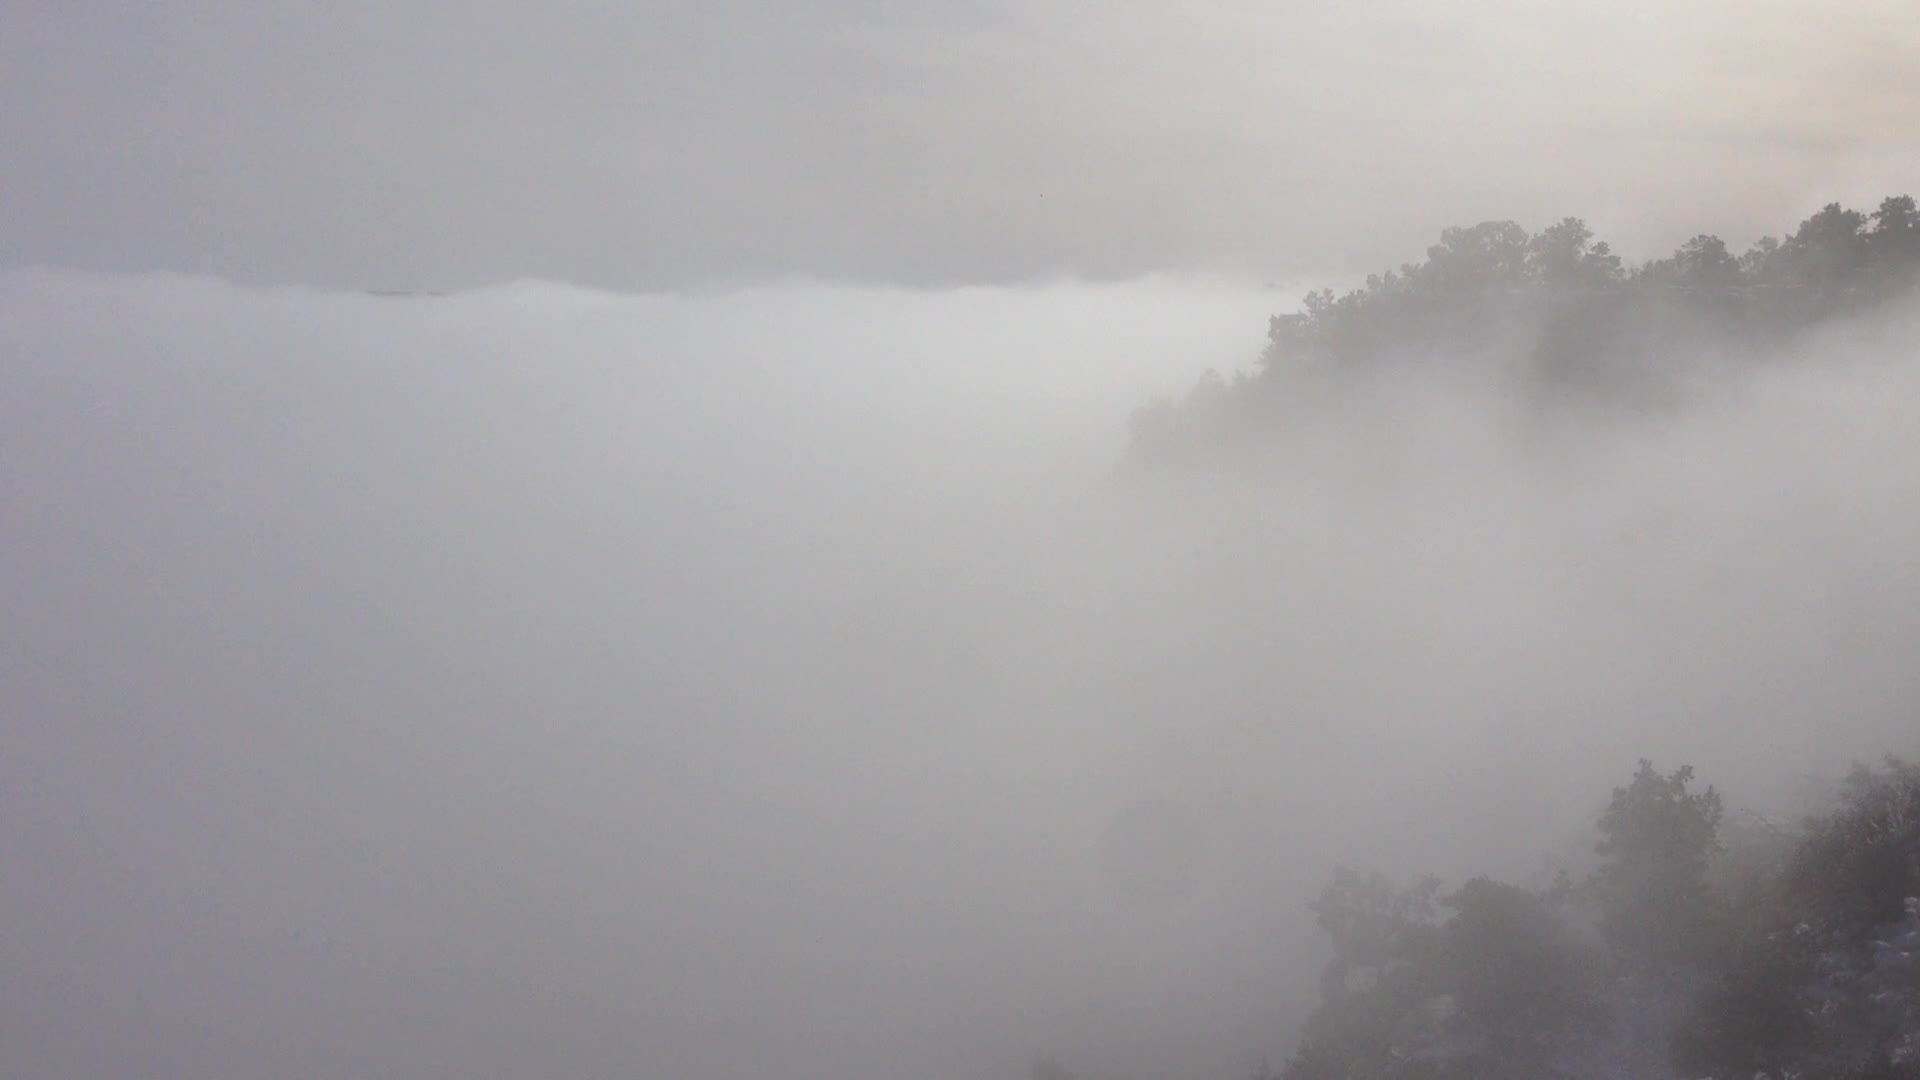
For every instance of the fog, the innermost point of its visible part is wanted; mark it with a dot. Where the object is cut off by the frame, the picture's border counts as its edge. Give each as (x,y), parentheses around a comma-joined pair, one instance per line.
(446,144)
(800,681)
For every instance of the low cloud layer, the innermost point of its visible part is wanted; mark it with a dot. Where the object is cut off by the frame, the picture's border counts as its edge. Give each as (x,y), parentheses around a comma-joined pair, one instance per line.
(542,682)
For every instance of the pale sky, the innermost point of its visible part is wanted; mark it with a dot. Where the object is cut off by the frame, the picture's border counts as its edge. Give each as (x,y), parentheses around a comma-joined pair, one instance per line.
(435,144)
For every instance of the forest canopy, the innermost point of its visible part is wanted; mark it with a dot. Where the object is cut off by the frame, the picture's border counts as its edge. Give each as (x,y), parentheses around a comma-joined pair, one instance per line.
(1560,308)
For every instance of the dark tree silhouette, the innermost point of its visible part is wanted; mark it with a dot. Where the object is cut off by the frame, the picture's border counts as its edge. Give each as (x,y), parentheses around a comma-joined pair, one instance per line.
(1658,837)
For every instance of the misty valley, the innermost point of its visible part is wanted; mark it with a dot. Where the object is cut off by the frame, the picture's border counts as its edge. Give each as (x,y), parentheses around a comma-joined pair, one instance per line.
(1501,668)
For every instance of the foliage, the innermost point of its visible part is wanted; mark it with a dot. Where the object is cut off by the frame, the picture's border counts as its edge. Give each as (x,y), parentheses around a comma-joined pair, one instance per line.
(1576,315)
(1796,956)
(1368,918)
(1855,867)
(1748,1017)
(1503,961)
(1657,839)
(1511,959)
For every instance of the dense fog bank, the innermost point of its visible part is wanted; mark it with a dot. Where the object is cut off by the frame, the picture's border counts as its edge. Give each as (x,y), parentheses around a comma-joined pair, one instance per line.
(540,682)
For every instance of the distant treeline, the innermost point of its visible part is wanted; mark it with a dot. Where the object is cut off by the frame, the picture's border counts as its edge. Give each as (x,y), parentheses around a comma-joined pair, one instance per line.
(1564,306)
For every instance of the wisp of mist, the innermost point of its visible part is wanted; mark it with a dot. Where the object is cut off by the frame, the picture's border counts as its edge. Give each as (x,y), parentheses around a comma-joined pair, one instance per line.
(802,681)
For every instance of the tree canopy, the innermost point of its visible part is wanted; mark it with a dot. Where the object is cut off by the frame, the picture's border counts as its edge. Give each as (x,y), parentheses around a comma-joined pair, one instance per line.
(1812,973)
(1575,311)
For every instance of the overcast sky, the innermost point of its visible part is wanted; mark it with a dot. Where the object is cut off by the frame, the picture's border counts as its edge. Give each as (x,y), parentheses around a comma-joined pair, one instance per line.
(442,144)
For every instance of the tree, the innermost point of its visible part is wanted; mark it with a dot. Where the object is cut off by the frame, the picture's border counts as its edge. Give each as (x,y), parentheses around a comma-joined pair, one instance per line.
(1856,866)
(1897,216)
(1488,255)
(1754,262)
(1827,249)
(1746,1019)
(1560,298)
(1658,837)
(1701,263)
(1369,920)
(1895,239)
(1564,256)
(1510,960)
